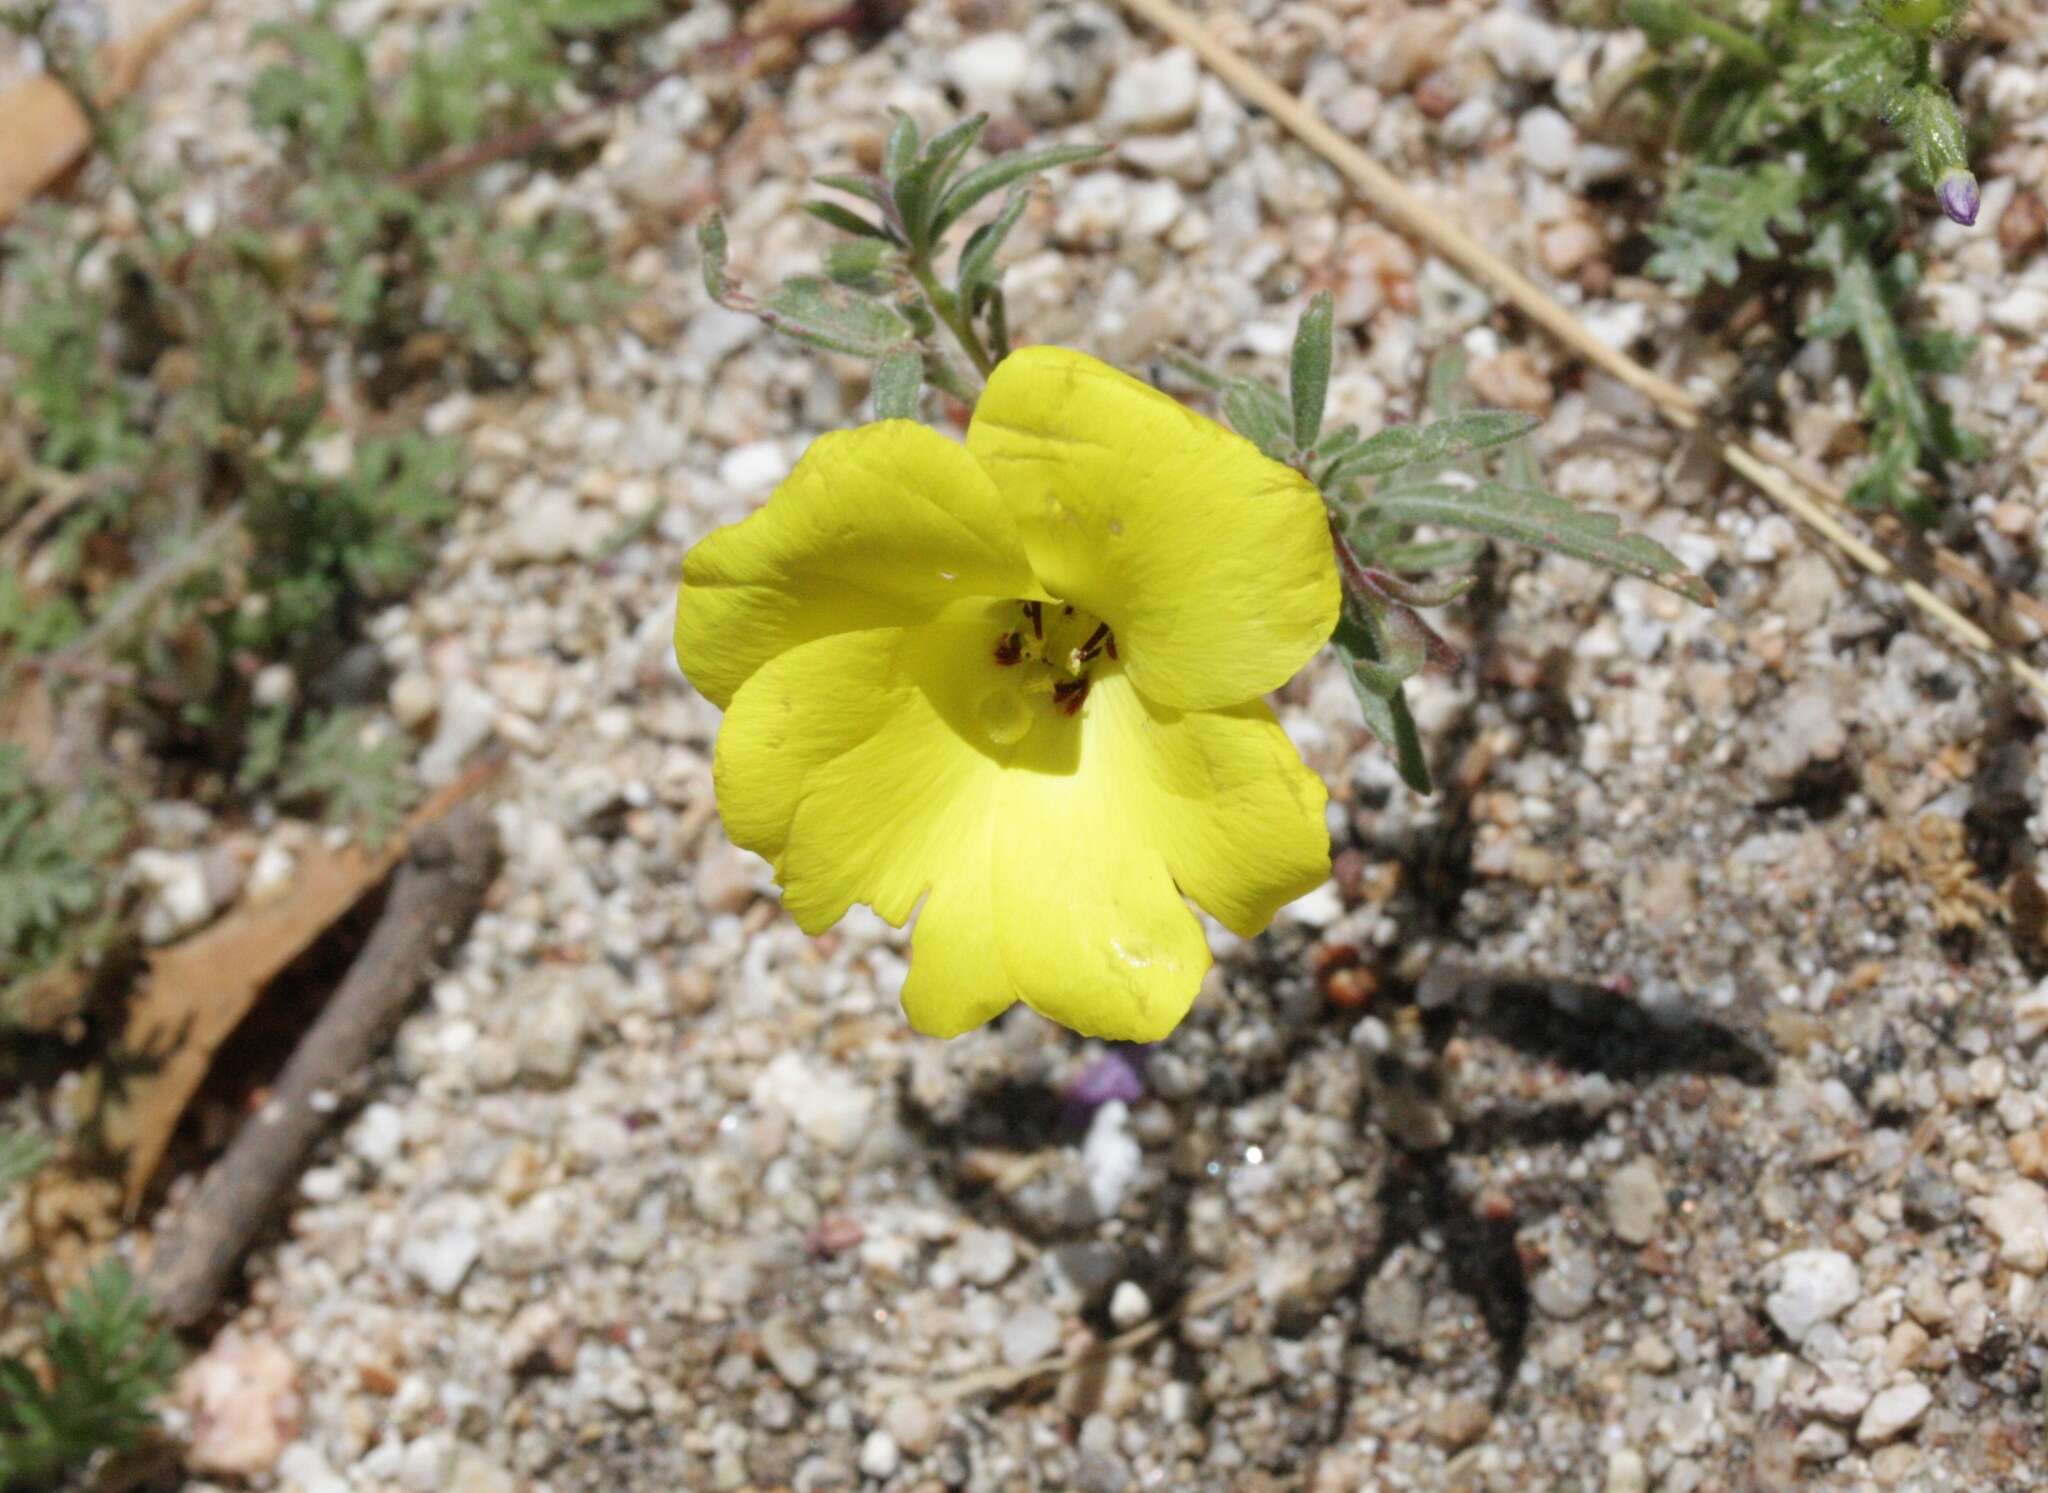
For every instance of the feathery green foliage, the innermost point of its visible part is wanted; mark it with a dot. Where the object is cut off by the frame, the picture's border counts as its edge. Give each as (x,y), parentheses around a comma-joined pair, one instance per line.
(1794,139)
(54,850)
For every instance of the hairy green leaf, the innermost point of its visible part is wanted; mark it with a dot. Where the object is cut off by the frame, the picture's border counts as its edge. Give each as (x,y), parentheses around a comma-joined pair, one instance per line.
(825,315)
(978,258)
(994,175)
(1533,517)
(1719,213)
(1258,413)
(898,378)
(1308,382)
(1382,700)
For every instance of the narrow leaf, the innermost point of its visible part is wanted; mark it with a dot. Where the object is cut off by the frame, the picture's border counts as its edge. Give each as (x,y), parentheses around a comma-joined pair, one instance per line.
(977,260)
(711,243)
(993,176)
(1533,517)
(826,315)
(898,377)
(1308,380)
(845,220)
(866,186)
(1382,700)
(901,148)
(1256,412)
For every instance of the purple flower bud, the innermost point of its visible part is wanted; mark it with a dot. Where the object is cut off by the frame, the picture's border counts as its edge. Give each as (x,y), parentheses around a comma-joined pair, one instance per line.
(1958,193)
(1112,1075)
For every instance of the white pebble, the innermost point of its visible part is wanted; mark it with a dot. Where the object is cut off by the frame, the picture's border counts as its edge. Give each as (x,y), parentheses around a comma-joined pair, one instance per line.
(1814,1286)
(879,1457)
(2017,1216)
(1897,1409)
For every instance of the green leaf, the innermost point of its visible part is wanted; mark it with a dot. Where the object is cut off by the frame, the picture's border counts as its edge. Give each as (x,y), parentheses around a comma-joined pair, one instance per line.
(994,175)
(846,221)
(1720,212)
(711,245)
(900,150)
(825,315)
(859,265)
(919,189)
(1382,698)
(1926,119)
(1258,413)
(977,259)
(1308,380)
(1533,517)
(21,1157)
(1447,440)
(1427,555)
(898,378)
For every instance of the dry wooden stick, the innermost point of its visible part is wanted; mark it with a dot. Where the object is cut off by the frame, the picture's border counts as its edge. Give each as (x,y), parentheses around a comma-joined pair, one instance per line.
(437,891)
(1411,213)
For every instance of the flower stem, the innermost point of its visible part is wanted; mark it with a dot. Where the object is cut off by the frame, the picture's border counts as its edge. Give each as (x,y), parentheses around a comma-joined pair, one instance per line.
(946,307)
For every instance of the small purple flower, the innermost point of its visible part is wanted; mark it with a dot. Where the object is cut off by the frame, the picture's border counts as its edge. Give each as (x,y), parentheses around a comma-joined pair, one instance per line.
(1958,193)
(1116,1073)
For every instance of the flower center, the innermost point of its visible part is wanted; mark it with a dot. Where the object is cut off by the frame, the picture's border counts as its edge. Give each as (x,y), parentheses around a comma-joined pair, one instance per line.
(1046,658)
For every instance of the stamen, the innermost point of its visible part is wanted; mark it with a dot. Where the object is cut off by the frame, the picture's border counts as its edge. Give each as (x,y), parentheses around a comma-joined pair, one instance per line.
(1010,648)
(1110,644)
(1037,615)
(1094,645)
(1068,695)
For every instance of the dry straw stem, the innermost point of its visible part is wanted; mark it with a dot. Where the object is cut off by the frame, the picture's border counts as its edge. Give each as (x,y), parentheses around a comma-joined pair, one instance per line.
(1816,504)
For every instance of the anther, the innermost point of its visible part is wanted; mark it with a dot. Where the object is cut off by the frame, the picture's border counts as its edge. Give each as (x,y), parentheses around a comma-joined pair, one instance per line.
(1069,693)
(1037,615)
(1094,645)
(1009,648)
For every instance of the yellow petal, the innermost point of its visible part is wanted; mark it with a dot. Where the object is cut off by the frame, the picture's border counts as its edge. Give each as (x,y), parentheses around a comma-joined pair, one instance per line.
(1211,561)
(1223,795)
(1092,931)
(879,526)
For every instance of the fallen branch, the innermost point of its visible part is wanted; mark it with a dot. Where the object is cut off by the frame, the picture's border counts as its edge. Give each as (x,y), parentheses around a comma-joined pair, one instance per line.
(1816,504)
(438,890)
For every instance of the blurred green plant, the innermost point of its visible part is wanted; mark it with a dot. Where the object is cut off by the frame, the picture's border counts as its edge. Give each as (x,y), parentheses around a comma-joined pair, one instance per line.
(1794,139)
(55,848)
(103,1361)
(401,255)
(185,510)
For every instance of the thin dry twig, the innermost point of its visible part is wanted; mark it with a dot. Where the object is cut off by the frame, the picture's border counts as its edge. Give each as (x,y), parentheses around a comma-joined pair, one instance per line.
(1816,504)
(438,891)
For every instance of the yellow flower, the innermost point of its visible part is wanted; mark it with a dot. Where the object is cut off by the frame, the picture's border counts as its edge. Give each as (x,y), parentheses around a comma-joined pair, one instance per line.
(1021,682)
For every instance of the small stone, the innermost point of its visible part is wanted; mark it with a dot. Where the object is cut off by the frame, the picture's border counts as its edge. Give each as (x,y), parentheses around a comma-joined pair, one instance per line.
(1393,1311)
(1814,1286)
(989,69)
(752,469)
(1074,49)
(378,1135)
(1635,1202)
(243,1397)
(986,1256)
(549,528)
(413,698)
(1894,1411)
(821,1099)
(1155,93)
(549,1036)
(1458,1424)
(2017,1216)
(468,716)
(439,1251)
(2023,310)
(1820,1442)
(1128,1304)
(1032,1334)
(180,898)
(1522,47)
(1546,140)
(879,1457)
(1178,157)
(1626,1473)
(1567,1286)
(2030,1015)
(913,1422)
(1566,247)
(270,874)
(1512,381)
(727,879)
(1110,1157)
(474,1472)
(789,1352)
